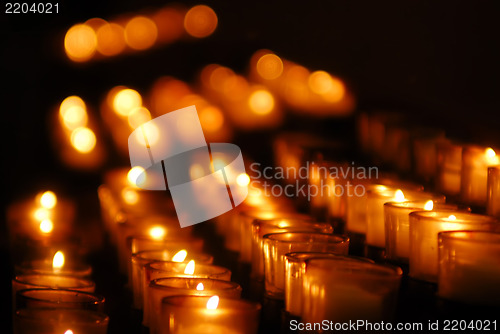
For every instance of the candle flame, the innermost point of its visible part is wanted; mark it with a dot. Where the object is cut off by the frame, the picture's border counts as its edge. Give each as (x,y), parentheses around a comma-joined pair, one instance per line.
(283,224)
(157,232)
(46,226)
(452,217)
(69,331)
(491,156)
(130,196)
(399,196)
(243,180)
(58,261)
(125,101)
(213,303)
(189,270)
(48,200)
(429,205)
(41,214)
(133,175)
(83,139)
(180,256)
(200,287)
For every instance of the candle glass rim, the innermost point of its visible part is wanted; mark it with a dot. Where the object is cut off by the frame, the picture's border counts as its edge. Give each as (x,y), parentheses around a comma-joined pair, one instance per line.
(299,222)
(176,301)
(461,217)
(247,214)
(403,205)
(130,238)
(347,267)
(89,283)
(94,299)
(104,318)
(222,270)
(229,285)
(278,237)
(455,236)
(199,256)
(70,268)
(298,257)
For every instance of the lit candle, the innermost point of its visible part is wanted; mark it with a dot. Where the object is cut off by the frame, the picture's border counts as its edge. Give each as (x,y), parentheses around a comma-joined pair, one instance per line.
(493,198)
(166,287)
(397,225)
(58,299)
(209,315)
(449,168)
(343,291)
(424,229)
(424,151)
(474,179)
(278,244)
(55,266)
(468,267)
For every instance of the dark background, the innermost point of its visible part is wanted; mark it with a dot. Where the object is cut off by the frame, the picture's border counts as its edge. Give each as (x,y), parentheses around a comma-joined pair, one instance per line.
(435,60)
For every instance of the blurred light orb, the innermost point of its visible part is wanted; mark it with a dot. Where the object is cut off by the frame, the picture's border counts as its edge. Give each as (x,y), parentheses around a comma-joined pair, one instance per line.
(270,66)
(243,180)
(80,42)
(110,39)
(83,139)
(200,21)
(48,199)
(211,118)
(138,116)
(125,101)
(261,102)
(329,87)
(140,33)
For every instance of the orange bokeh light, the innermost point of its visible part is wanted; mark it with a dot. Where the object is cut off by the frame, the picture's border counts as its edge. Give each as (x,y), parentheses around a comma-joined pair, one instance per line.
(269,66)
(200,21)
(140,33)
(80,42)
(110,39)
(211,118)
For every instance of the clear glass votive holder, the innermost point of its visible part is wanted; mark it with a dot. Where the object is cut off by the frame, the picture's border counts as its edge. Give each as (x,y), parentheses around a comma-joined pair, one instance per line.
(190,315)
(343,291)
(449,168)
(45,267)
(171,286)
(397,225)
(280,225)
(469,269)
(47,321)
(58,298)
(294,271)
(493,197)
(424,229)
(276,245)
(141,259)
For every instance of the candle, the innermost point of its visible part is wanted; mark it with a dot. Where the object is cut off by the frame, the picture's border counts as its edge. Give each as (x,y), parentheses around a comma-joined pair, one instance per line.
(424,229)
(424,151)
(166,287)
(397,225)
(493,198)
(278,244)
(343,291)
(468,267)
(281,225)
(166,269)
(449,167)
(55,266)
(141,259)
(63,321)
(376,198)
(58,298)
(294,271)
(209,315)
(474,177)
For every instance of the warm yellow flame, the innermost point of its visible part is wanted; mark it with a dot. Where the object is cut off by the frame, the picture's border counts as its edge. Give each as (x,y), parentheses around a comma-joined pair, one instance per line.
(46,226)
(200,21)
(283,224)
(270,66)
(130,196)
(70,102)
(83,139)
(180,256)
(200,287)
(73,112)
(48,200)
(490,153)
(243,180)
(452,217)
(261,102)
(429,205)
(211,118)
(41,214)
(157,232)
(189,270)
(141,33)
(125,101)
(58,260)
(213,303)
(399,196)
(80,42)
(133,175)
(491,156)
(69,331)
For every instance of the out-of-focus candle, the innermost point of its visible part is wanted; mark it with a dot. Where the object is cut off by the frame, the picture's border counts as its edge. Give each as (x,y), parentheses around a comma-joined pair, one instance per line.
(474,179)
(424,151)
(54,266)
(58,299)
(449,167)
(63,321)
(343,291)
(294,271)
(424,229)
(166,287)
(397,224)
(493,198)
(23,282)
(209,315)
(276,245)
(468,267)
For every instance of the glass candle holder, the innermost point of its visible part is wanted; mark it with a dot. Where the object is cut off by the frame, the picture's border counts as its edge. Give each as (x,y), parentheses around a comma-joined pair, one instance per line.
(166,287)
(474,173)
(493,198)
(424,229)
(294,271)
(343,291)
(141,259)
(263,227)
(424,146)
(190,315)
(247,217)
(468,267)
(43,321)
(397,150)
(155,270)
(397,225)
(58,298)
(278,244)
(377,197)
(45,267)
(449,167)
